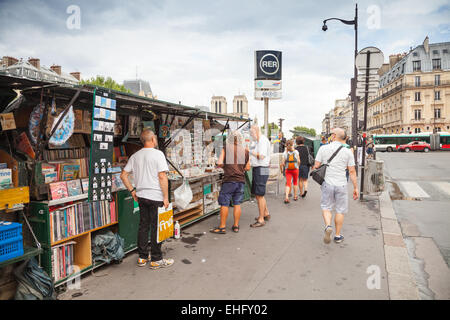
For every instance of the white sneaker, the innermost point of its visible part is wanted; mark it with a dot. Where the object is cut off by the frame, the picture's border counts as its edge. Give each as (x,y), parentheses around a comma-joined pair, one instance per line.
(161,263)
(327,237)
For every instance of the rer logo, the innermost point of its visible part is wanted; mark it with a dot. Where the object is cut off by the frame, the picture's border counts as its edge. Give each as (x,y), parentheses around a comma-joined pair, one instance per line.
(269,64)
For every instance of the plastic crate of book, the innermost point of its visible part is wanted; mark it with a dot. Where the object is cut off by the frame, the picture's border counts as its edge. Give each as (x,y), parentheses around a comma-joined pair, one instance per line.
(11,241)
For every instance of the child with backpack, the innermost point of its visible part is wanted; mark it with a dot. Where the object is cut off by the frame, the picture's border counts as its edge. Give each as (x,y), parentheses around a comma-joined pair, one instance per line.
(290,164)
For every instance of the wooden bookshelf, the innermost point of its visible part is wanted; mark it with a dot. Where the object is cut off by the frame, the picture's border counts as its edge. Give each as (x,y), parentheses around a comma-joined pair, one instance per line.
(82,234)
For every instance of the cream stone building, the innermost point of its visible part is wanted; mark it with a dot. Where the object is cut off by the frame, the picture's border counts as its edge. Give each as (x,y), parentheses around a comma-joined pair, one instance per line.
(240,106)
(219,104)
(414,92)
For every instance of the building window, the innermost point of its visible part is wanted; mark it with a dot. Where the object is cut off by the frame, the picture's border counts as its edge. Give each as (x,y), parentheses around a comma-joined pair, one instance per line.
(437,95)
(216,107)
(403,67)
(417,114)
(436,64)
(416,65)
(437,80)
(417,81)
(438,129)
(417,130)
(220,106)
(437,113)
(417,96)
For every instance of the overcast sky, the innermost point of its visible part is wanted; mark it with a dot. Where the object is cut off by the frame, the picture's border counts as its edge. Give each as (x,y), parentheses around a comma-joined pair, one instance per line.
(191,50)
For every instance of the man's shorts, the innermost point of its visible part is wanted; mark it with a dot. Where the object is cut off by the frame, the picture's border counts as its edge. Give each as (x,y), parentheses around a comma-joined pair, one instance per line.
(260,175)
(334,196)
(231,191)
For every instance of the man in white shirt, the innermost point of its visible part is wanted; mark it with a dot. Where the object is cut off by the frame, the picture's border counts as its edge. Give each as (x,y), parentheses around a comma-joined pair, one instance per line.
(334,188)
(149,167)
(260,160)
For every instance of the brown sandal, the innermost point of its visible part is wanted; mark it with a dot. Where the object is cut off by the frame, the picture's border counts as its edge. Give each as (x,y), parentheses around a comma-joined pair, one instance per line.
(257,224)
(266,218)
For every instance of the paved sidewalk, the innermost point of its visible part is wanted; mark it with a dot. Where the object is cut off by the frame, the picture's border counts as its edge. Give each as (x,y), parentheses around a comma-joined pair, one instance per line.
(286,259)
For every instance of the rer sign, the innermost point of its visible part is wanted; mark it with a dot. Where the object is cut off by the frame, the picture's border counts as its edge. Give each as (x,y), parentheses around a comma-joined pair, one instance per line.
(267,65)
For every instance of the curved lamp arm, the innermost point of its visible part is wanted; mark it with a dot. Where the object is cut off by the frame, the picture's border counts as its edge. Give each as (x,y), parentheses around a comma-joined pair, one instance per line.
(341,20)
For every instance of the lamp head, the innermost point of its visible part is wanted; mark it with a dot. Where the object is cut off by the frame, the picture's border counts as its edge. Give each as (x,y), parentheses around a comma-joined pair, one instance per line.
(324,27)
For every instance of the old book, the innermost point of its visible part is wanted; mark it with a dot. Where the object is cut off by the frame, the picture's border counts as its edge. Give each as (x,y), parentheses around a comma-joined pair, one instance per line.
(23,144)
(74,187)
(7,121)
(58,190)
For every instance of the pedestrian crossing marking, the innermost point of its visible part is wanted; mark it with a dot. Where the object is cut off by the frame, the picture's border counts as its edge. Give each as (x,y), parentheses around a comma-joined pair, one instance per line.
(413,190)
(443,186)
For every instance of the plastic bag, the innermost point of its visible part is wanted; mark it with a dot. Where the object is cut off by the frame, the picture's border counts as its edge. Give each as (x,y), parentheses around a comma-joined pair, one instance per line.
(107,247)
(33,283)
(183,195)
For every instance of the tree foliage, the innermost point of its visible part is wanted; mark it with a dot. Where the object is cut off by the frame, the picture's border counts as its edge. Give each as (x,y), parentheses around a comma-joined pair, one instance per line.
(306,130)
(107,82)
(273,126)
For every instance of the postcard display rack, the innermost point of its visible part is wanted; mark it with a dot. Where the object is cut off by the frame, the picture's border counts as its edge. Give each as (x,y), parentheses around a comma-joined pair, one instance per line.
(65,226)
(192,151)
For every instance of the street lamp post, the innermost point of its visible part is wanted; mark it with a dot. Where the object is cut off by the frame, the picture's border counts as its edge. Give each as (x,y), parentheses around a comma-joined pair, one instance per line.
(355,77)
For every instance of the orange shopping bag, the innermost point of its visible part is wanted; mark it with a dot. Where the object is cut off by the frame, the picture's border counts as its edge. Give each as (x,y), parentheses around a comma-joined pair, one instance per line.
(165,223)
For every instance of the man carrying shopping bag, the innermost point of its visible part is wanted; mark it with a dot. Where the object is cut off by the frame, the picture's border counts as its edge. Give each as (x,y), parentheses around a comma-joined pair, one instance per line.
(149,167)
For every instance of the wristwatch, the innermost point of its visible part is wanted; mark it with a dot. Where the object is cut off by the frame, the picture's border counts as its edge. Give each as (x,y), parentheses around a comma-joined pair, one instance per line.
(132,190)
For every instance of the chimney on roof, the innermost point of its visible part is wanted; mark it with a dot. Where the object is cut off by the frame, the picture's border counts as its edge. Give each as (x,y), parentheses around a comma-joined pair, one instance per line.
(57,69)
(76,75)
(9,61)
(35,62)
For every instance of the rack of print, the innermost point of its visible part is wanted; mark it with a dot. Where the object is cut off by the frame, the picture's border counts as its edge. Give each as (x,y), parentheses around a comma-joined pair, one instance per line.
(126,209)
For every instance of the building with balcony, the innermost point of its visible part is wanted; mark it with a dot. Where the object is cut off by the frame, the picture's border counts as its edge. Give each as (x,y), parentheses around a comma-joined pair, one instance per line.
(414,92)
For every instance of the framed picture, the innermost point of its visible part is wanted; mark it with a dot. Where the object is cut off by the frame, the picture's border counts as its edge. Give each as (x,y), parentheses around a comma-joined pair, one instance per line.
(134,125)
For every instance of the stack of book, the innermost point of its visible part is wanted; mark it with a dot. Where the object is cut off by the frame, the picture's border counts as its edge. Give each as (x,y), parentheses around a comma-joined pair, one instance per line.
(80,217)
(62,260)
(65,170)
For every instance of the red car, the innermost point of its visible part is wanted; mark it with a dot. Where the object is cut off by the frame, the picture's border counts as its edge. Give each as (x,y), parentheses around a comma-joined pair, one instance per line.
(414,146)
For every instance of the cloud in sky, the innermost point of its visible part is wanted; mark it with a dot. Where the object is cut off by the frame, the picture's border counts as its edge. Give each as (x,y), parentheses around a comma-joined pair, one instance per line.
(191,50)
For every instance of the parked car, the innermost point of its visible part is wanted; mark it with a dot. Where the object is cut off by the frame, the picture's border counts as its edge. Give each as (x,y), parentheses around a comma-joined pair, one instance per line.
(414,146)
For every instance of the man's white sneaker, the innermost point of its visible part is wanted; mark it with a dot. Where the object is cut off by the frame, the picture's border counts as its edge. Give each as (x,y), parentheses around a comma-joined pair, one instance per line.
(161,263)
(327,237)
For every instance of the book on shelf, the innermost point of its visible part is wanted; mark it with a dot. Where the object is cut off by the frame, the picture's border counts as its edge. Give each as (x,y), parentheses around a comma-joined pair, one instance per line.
(58,190)
(67,169)
(63,260)
(74,187)
(80,217)
(85,185)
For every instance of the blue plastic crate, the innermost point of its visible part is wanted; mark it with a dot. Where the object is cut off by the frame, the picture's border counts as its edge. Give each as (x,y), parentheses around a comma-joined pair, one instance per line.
(11,241)
(9,231)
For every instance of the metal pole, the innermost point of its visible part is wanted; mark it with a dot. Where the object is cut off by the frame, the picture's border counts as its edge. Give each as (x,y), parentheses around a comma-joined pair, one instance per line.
(266,116)
(366,98)
(354,97)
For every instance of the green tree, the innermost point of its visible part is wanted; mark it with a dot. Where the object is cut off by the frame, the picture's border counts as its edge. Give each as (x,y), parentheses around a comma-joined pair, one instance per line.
(108,82)
(273,126)
(306,130)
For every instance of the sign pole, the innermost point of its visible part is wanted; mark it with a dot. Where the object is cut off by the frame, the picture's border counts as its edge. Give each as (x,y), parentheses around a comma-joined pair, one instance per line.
(366,98)
(266,116)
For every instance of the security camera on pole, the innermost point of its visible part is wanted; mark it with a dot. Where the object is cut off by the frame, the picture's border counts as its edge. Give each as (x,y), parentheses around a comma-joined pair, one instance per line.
(267,80)
(368,61)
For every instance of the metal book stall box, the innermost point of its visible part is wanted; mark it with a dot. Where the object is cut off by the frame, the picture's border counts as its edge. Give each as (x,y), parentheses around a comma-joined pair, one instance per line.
(76,140)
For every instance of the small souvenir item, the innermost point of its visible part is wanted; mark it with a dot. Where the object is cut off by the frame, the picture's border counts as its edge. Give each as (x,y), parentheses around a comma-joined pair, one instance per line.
(109,167)
(102,184)
(108,181)
(102,195)
(108,195)
(96,170)
(94,195)
(103,169)
(94,183)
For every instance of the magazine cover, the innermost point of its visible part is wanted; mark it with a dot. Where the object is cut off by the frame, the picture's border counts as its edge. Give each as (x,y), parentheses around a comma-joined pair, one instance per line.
(58,190)
(74,187)
(85,185)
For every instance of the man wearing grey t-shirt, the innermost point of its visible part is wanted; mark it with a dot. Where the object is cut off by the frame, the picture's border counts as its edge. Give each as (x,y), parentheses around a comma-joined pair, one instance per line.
(334,188)
(149,167)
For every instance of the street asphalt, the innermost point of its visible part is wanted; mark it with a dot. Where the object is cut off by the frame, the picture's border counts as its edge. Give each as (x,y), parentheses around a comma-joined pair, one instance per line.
(286,259)
(420,192)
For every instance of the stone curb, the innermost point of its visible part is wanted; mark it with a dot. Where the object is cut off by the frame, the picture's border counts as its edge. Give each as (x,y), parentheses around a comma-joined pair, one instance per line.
(401,283)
